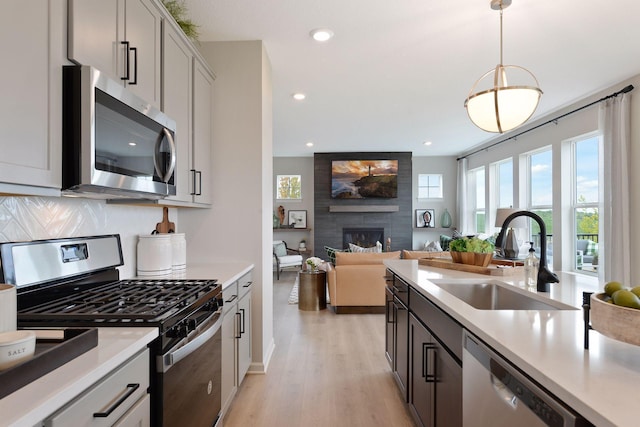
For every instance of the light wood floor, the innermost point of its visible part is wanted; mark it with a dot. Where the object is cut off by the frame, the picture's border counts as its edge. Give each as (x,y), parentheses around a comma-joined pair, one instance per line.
(327,370)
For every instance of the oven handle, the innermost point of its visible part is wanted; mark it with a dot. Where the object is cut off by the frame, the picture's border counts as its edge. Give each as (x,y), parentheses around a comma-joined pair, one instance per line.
(170,359)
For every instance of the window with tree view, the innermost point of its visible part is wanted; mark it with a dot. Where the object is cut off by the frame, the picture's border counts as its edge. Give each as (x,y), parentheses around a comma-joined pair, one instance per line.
(289,187)
(585,204)
(541,197)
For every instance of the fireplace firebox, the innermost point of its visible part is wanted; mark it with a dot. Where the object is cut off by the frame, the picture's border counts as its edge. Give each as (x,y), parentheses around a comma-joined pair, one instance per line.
(364,237)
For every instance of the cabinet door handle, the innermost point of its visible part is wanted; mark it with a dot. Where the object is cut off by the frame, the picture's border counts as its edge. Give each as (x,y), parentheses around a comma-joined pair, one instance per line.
(242,323)
(131,389)
(199,173)
(193,182)
(238,327)
(429,377)
(135,66)
(126,60)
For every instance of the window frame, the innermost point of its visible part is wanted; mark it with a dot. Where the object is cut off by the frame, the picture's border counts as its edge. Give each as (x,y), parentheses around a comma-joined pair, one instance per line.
(439,188)
(278,187)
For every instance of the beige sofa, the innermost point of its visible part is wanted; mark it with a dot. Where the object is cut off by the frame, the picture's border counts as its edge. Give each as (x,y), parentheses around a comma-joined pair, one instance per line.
(356,283)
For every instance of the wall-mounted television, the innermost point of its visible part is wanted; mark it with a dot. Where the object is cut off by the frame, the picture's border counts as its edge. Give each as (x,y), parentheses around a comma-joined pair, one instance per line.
(362,179)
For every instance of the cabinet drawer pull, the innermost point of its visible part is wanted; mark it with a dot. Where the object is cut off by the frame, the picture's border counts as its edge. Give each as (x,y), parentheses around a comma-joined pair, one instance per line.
(131,389)
(247,284)
(231,299)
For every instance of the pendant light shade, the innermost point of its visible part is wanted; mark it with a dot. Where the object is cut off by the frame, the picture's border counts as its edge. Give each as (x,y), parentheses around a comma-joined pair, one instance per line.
(505,97)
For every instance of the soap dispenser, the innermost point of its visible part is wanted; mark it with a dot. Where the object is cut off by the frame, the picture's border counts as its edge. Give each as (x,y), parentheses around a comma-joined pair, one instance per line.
(531,264)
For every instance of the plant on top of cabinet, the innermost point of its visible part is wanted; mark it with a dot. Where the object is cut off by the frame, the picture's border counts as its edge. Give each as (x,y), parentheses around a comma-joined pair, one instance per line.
(178,10)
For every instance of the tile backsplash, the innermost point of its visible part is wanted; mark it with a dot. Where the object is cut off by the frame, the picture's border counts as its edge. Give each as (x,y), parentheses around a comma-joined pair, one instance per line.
(34,218)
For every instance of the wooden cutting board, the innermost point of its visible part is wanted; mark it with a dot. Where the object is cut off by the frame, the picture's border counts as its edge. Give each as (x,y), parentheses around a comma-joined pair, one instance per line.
(496,268)
(165,226)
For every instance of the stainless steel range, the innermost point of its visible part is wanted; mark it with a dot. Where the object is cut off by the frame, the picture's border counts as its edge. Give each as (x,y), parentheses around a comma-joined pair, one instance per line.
(75,282)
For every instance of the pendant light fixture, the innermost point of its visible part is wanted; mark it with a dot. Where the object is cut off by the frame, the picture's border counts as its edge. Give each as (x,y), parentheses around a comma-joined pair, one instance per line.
(509,99)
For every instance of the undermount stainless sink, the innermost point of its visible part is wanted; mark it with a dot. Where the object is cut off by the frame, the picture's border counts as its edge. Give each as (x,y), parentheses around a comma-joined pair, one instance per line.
(492,295)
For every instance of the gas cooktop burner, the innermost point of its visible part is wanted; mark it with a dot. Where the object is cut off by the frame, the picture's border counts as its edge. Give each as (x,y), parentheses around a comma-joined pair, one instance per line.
(128,300)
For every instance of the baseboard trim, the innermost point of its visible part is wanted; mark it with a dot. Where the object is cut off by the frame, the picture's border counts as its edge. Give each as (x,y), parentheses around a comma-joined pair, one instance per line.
(261,368)
(359,309)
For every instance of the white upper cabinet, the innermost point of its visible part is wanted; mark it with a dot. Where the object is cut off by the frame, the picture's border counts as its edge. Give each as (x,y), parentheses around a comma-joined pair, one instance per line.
(120,38)
(176,103)
(32,40)
(202,133)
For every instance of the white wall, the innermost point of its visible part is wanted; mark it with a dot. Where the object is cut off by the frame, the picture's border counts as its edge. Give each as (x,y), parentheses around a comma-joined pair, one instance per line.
(238,225)
(302,166)
(447,166)
(35,218)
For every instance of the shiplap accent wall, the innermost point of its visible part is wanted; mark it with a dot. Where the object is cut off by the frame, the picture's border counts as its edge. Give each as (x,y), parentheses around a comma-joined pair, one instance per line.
(332,215)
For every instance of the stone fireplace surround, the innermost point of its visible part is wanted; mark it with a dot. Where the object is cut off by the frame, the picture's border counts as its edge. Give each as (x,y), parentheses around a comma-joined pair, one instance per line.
(331,216)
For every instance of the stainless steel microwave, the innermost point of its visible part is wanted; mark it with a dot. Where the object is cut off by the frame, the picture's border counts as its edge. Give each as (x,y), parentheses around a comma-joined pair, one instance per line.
(114,143)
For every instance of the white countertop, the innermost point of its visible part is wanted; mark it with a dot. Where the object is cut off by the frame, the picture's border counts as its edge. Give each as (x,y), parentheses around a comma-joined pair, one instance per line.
(35,401)
(600,383)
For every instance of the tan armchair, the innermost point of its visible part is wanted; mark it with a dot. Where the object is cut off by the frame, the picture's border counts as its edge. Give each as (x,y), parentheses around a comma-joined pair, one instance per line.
(356,283)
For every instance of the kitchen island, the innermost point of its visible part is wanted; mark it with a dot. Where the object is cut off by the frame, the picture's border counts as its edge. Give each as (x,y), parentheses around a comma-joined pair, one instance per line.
(37,400)
(600,383)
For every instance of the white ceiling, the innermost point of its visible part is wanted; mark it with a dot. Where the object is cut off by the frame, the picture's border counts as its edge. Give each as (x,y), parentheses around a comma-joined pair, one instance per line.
(397,73)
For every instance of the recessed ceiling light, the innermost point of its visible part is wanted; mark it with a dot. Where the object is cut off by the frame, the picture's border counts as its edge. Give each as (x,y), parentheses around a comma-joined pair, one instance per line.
(321,34)
(299,96)
(309,144)
(427,143)
(132,143)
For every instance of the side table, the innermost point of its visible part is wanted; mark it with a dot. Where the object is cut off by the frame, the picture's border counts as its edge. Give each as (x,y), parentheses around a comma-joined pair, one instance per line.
(312,291)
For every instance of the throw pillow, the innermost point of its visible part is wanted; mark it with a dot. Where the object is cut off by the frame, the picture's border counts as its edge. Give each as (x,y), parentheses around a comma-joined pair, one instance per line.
(331,253)
(280,249)
(432,246)
(356,248)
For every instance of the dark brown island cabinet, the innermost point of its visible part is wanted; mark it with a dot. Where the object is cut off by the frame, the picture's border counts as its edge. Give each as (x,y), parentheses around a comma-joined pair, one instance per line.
(424,349)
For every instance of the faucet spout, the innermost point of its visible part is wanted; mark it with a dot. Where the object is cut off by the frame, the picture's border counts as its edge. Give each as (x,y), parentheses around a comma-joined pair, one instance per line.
(545,276)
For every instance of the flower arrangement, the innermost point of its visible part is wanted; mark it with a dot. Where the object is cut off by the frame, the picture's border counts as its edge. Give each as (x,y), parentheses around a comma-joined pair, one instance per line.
(314,263)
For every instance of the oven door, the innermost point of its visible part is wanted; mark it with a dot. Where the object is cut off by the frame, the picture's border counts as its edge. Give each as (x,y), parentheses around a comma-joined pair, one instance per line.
(190,378)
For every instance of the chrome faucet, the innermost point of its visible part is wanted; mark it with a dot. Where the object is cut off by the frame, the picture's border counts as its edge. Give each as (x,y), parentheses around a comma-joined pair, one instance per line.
(545,276)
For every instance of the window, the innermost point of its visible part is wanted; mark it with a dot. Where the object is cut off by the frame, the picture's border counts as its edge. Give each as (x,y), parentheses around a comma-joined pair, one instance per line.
(429,186)
(289,187)
(585,202)
(477,190)
(540,173)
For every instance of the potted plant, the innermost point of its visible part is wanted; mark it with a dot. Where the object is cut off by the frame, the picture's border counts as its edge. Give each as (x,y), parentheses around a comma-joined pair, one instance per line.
(471,250)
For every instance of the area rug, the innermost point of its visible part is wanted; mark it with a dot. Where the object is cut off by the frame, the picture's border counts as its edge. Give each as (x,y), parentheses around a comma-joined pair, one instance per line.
(293,296)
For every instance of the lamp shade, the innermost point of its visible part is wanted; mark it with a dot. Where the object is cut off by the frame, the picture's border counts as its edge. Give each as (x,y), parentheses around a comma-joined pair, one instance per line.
(503,213)
(503,106)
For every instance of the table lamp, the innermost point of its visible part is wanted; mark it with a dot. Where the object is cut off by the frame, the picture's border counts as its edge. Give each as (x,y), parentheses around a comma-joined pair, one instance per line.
(510,248)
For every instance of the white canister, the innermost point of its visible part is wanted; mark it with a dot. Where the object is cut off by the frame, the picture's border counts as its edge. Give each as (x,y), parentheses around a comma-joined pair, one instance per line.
(178,251)
(154,254)
(8,308)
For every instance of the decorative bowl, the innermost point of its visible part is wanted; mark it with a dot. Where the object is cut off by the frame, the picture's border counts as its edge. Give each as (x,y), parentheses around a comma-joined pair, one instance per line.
(614,321)
(471,258)
(16,347)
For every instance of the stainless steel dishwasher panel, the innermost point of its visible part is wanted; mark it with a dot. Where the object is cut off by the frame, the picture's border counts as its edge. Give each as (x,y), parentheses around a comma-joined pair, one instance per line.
(496,394)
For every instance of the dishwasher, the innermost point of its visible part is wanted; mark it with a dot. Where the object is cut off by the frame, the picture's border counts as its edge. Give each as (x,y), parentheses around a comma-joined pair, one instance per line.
(496,394)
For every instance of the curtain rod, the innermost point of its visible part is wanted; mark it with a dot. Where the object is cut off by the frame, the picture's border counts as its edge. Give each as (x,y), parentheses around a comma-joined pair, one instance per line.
(626,89)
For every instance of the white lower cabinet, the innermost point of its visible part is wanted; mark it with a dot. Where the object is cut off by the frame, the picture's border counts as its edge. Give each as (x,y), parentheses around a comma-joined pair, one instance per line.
(120,399)
(236,337)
